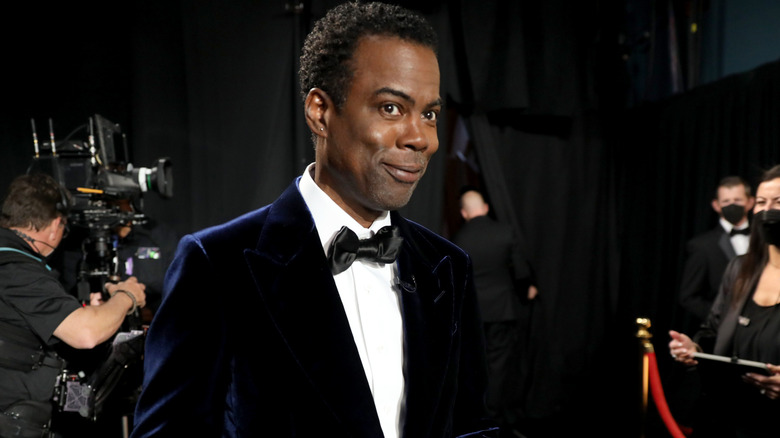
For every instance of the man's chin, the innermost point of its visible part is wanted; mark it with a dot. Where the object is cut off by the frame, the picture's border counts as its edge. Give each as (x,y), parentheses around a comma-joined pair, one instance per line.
(395,202)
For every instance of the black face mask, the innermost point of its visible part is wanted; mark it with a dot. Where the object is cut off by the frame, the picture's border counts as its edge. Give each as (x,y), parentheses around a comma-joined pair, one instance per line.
(768,222)
(733,213)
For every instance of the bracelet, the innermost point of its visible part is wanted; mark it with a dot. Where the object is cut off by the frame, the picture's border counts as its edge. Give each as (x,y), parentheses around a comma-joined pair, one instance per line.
(132,297)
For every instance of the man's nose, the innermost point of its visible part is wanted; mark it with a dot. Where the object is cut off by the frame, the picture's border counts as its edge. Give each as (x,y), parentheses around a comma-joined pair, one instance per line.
(416,135)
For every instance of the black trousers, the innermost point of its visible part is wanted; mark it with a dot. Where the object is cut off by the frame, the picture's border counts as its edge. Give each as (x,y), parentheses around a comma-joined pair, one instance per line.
(501,343)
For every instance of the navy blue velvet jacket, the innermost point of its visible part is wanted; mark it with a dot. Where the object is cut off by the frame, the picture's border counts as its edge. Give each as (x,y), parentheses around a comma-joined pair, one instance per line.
(252,340)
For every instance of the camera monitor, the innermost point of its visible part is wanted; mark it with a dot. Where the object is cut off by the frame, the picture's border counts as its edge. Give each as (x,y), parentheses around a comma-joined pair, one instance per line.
(111,142)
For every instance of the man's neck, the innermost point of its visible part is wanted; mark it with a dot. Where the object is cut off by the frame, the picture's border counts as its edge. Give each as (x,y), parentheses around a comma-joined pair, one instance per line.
(33,239)
(363,216)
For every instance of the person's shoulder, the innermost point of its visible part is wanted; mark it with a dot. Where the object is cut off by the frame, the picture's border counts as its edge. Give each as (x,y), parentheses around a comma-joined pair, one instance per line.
(480,229)
(24,267)
(463,233)
(238,229)
(18,259)
(486,222)
(287,210)
(423,238)
(32,275)
(706,238)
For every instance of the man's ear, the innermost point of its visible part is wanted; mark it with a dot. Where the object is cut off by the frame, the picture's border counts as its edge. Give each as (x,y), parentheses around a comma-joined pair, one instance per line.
(751,202)
(53,226)
(316,108)
(716,206)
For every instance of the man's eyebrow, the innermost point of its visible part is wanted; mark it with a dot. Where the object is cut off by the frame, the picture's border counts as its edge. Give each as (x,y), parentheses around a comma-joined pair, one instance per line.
(406,97)
(437,102)
(394,92)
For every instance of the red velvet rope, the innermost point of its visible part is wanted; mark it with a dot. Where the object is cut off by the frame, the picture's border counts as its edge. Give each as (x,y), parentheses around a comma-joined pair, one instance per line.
(658,398)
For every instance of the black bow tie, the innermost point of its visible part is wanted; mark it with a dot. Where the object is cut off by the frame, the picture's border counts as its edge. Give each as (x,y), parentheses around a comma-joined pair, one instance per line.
(745,231)
(382,247)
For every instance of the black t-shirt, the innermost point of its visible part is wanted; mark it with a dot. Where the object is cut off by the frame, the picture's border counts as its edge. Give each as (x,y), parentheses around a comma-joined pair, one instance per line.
(32,298)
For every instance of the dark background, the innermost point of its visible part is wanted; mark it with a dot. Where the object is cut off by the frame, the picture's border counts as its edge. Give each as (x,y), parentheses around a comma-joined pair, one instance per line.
(598,128)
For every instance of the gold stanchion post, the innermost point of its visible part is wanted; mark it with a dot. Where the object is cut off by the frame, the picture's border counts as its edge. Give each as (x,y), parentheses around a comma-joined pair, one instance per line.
(644,335)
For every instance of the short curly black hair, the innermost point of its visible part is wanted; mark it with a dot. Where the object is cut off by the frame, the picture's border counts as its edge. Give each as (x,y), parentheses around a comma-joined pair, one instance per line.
(329,47)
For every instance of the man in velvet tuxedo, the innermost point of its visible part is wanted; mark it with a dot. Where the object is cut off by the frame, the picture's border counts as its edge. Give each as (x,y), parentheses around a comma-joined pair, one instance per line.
(305,339)
(709,253)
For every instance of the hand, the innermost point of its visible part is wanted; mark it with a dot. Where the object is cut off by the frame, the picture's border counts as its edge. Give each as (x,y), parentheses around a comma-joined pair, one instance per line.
(767,385)
(532,292)
(682,348)
(95,298)
(132,286)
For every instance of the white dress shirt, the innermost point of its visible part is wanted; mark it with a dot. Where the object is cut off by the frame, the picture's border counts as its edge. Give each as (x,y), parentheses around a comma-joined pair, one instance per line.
(740,242)
(370,296)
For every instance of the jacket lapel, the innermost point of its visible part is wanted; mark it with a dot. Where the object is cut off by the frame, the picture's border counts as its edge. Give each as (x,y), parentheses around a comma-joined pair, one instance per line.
(428,303)
(291,274)
(724,242)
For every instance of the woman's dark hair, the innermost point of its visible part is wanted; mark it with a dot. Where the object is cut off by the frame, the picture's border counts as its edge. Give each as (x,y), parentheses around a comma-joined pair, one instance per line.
(756,258)
(33,201)
(328,49)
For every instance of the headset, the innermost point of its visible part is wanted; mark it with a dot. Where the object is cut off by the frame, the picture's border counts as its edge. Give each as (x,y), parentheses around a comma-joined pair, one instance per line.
(64,205)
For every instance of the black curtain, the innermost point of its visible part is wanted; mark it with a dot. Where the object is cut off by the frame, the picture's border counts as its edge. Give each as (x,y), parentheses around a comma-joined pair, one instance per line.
(545,163)
(243,106)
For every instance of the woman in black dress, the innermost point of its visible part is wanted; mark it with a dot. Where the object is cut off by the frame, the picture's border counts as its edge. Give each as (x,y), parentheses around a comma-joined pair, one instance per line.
(744,322)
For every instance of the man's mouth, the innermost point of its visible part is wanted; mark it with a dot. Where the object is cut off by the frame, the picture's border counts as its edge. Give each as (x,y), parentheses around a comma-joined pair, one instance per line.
(408,174)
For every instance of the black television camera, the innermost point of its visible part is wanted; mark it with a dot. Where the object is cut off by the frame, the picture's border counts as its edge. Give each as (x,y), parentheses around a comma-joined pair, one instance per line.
(106,194)
(106,189)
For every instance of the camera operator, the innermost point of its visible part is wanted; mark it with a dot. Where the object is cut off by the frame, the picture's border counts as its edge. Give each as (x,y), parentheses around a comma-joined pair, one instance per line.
(36,313)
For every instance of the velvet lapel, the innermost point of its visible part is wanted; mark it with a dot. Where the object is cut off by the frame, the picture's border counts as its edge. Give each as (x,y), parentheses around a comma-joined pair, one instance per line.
(290,271)
(428,304)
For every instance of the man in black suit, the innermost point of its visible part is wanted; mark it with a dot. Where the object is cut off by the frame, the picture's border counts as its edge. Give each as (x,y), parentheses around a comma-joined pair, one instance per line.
(709,253)
(301,341)
(500,272)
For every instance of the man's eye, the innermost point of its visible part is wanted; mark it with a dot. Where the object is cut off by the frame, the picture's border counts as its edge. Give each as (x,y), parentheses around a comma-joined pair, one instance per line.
(430,115)
(391,109)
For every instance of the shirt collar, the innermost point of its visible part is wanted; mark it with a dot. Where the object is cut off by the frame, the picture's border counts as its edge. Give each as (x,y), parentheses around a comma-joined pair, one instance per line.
(728,226)
(328,216)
